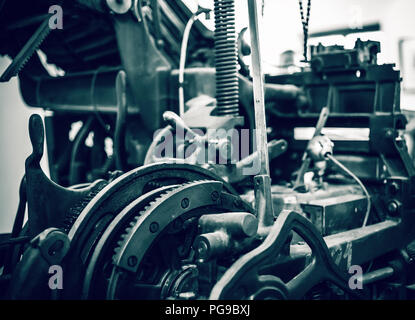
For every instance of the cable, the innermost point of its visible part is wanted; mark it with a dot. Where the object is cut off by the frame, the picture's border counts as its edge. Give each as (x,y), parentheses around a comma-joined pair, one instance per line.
(341,166)
(183,51)
(94,106)
(80,137)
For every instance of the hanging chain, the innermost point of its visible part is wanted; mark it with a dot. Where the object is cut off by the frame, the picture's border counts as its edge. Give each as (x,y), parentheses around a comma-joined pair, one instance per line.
(304,21)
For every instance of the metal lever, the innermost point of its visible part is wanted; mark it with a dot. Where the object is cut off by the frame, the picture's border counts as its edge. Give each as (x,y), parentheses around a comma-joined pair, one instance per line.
(299,182)
(275,149)
(176,122)
(119,134)
(263,201)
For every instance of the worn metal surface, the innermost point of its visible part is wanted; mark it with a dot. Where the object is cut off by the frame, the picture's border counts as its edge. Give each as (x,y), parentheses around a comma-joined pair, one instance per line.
(336,214)
(244,277)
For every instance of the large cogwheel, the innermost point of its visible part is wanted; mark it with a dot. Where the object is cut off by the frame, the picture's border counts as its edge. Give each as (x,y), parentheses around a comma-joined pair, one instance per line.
(154,258)
(98,215)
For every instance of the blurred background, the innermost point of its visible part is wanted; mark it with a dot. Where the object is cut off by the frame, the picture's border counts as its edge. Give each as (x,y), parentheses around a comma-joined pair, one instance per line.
(389,21)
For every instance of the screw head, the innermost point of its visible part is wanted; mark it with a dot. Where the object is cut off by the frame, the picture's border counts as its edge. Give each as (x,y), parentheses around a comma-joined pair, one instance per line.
(132,261)
(215,195)
(154,227)
(185,203)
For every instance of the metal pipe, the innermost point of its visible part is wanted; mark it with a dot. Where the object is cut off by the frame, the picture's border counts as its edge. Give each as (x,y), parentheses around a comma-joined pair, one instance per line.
(120,124)
(81,92)
(377,275)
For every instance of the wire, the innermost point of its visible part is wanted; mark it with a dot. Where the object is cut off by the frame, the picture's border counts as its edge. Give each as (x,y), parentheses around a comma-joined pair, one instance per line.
(92,98)
(341,166)
(183,51)
(80,137)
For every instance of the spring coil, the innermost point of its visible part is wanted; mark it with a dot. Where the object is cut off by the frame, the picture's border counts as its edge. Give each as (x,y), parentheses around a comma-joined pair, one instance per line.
(226,58)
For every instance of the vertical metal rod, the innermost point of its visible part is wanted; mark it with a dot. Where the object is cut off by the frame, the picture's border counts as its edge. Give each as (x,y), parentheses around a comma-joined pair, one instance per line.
(262,181)
(258,84)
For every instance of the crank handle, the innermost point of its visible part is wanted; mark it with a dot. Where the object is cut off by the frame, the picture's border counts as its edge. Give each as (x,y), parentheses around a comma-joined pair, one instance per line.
(176,122)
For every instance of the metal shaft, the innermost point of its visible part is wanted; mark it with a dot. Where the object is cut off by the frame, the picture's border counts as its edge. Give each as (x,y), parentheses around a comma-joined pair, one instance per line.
(262,181)
(258,85)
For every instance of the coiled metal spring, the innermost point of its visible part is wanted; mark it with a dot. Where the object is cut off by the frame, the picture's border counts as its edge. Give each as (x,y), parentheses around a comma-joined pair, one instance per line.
(226,58)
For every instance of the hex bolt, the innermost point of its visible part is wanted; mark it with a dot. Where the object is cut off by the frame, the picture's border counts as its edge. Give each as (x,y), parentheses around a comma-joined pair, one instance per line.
(154,227)
(185,203)
(215,195)
(132,261)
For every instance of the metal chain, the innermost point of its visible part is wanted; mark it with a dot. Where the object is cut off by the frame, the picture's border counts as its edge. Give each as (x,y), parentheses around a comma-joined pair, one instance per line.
(304,21)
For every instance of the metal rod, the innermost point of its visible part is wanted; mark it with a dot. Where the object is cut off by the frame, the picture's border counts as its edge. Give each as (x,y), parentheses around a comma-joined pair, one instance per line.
(258,85)
(378,275)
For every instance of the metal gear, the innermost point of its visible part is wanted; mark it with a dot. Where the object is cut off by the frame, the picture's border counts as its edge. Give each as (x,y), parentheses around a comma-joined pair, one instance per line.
(170,219)
(96,276)
(98,214)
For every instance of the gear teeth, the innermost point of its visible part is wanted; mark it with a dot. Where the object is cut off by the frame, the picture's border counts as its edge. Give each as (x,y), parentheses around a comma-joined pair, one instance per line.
(151,204)
(27,51)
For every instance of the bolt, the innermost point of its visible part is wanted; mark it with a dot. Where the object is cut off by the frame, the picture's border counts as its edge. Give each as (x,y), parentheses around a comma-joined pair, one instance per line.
(132,261)
(202,250)
(393,207)
(154,226)
(56,247)
(185,203)
(394,188)
(389,133)
(215,195)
